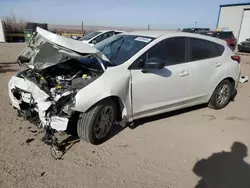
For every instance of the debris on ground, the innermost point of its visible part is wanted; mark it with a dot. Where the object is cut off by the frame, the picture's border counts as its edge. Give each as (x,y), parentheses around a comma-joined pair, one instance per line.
(42,174)
(33,131)
(29,140)
(243,79)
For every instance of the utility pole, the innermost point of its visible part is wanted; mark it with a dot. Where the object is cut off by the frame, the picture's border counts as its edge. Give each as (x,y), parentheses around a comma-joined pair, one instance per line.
(148,27)
(195,24)
(82,28)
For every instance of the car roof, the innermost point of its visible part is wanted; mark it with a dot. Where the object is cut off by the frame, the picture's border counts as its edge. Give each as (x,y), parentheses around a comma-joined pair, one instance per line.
(104,31)
(157,34)
(154,34)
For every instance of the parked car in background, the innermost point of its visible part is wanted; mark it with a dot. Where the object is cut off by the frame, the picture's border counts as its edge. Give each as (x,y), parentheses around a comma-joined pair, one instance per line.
(121,79)
(30,29)
(244,46)
(98,36)
(194,30)
(228,36)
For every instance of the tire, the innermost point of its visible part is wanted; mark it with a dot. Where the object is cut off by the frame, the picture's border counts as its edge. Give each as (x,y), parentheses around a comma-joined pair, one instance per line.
(215,102)
(87,125)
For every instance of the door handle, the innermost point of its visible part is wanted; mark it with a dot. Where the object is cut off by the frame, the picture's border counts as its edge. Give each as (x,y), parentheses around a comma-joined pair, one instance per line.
(184,73)
(217,64)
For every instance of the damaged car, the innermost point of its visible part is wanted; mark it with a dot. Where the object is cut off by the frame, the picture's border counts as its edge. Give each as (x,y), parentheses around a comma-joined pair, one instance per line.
(121,79)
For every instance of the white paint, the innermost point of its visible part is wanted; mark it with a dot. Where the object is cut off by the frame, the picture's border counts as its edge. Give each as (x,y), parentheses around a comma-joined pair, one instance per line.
(245,27)
(159,92)
(59,123)
(142,95)
(243,79)
(40,97)
(70,47)
(2,34)
(69,43)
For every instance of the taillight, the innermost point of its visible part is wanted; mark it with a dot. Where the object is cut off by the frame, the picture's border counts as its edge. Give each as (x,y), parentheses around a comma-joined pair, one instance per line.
(230,41)
(236,58)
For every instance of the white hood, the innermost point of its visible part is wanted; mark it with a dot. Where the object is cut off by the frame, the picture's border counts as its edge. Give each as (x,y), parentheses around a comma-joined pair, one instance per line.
(69,43)
(47,49)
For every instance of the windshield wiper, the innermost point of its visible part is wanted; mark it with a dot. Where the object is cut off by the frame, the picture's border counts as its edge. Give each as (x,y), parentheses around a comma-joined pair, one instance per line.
(117,50)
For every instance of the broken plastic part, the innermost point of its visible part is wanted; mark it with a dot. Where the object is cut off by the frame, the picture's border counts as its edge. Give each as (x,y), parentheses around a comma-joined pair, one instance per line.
(243,79)
(50,139)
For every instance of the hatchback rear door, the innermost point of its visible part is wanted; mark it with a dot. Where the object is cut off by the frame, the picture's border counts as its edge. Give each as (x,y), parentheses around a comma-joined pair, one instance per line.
(204,63)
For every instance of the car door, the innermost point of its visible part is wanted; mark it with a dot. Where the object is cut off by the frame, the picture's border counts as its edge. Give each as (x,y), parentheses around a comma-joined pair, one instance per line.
(161,90)
(204,60)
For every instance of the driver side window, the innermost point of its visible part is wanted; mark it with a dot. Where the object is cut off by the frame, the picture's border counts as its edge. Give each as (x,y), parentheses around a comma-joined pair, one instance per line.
(171,51)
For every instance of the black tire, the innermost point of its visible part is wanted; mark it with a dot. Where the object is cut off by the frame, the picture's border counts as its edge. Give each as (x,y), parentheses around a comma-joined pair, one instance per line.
(214,103)
(87,121)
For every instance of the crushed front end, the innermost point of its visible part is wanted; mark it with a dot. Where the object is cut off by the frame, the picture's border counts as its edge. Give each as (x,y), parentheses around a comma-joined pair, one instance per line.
(45,90)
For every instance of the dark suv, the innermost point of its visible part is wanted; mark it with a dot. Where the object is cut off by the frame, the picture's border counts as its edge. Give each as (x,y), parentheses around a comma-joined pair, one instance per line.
(194,30)
(224,35)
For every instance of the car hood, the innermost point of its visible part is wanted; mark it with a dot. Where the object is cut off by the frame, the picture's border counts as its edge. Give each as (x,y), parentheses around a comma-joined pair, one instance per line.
(46,49)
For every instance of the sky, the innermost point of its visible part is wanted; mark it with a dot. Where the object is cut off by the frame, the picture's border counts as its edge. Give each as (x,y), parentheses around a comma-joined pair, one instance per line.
(162,14)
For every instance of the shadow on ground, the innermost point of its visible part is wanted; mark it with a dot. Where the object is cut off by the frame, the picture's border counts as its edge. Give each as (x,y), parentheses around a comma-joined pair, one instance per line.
(224,169)
(165,115)
(6,67)
(116,129)
(73,138)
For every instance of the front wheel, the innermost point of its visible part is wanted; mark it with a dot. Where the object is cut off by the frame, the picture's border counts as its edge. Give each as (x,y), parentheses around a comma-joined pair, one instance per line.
(222,95)
(94,125)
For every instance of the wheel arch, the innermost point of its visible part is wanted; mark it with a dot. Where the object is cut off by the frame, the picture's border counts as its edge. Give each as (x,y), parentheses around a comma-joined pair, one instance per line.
(120,104)
(230,79)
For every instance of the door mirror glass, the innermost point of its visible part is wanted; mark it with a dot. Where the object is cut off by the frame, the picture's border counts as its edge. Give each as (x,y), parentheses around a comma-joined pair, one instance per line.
(153,64)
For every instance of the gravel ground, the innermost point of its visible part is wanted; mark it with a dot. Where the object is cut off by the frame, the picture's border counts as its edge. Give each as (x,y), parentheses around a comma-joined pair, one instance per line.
(160,151)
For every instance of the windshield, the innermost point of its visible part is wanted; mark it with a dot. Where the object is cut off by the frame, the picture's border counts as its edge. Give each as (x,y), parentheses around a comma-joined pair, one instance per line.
(89,36)
(119,48)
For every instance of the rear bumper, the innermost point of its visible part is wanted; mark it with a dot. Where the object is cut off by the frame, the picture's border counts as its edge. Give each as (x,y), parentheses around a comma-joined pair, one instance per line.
(237,80)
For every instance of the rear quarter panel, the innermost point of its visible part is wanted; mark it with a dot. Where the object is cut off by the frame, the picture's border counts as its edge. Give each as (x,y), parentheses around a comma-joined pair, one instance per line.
(229,69)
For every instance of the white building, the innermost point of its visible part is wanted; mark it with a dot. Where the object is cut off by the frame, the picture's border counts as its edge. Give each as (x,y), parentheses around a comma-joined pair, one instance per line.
(2,34)
(236,18)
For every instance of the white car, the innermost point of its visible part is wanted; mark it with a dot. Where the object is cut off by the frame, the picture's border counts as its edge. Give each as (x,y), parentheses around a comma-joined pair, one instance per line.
(123,78)
(98,36)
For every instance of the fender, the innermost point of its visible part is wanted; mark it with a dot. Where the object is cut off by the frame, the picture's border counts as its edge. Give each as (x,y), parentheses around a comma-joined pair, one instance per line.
(110,84)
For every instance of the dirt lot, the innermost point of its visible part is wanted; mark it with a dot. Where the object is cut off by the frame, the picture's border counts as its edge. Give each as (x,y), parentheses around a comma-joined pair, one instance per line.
(157,152)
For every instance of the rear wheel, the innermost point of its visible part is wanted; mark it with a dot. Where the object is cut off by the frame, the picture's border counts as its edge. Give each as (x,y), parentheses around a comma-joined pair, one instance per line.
(95,125)
(222,95)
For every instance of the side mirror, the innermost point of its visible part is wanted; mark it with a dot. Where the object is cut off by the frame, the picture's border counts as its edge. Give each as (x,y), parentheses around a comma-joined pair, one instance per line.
(153,64)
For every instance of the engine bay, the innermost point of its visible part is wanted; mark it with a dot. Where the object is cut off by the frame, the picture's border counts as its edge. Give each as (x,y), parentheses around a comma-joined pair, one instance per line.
(62,77)
(60,82)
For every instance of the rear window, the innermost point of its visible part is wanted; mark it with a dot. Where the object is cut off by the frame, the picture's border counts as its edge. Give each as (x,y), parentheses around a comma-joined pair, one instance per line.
(202,49)
(224,35)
